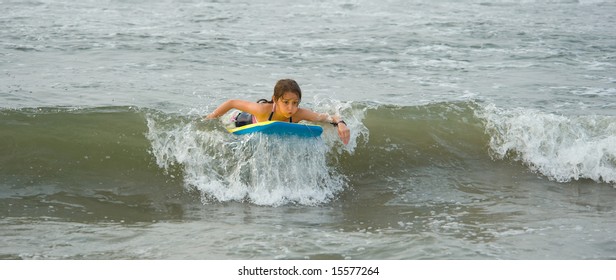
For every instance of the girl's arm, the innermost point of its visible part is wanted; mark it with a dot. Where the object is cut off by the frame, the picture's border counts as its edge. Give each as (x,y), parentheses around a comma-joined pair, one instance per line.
(343,131)
(242,105)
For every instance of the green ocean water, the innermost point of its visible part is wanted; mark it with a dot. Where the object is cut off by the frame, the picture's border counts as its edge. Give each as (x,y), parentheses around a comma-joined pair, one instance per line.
(480,130)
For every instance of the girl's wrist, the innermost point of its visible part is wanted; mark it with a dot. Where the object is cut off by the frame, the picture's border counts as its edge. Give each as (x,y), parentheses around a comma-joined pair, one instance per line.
(338,122)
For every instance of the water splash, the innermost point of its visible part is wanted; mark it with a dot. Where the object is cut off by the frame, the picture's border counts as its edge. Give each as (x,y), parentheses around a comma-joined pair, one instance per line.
(564,148)
(256,168)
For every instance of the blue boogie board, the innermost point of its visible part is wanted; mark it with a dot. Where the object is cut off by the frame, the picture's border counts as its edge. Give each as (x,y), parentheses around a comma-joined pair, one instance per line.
(280,128)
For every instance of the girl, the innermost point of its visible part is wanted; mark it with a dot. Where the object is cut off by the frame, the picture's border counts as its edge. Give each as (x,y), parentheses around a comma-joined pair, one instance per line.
(284,106)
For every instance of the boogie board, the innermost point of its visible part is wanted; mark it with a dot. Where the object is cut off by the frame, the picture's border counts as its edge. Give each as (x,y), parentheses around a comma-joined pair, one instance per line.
(280,128)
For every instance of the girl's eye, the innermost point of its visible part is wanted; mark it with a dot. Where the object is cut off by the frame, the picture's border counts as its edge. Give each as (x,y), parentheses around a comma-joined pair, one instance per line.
(287,102)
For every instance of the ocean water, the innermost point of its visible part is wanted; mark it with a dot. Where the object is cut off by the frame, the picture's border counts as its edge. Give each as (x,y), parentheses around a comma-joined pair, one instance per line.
(480,130)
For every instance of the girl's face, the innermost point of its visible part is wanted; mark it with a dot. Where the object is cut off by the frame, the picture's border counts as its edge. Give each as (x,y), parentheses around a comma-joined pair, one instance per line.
(288,104)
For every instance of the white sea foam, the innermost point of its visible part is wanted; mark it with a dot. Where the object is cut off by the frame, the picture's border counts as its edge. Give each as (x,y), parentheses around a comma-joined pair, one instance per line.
(590,91)
(564,148)
(261,169)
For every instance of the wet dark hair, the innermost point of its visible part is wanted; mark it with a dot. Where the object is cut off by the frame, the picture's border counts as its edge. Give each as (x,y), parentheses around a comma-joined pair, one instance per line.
(283,86)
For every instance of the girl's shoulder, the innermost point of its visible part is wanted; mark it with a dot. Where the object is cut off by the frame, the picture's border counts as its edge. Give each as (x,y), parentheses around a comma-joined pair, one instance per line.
(304,114)
(262,110)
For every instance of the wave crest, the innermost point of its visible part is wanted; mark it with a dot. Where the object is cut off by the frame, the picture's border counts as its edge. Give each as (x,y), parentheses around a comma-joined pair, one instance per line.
(564,148)
(260,169)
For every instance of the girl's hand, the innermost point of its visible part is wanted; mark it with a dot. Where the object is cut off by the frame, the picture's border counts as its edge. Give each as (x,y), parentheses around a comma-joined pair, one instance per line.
(344,133)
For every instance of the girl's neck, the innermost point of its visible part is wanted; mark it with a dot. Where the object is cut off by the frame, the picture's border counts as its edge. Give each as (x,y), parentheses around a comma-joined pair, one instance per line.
(277,116)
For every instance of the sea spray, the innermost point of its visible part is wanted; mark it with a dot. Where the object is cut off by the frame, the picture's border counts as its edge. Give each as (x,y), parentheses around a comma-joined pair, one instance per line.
(260,169)
(563,148)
